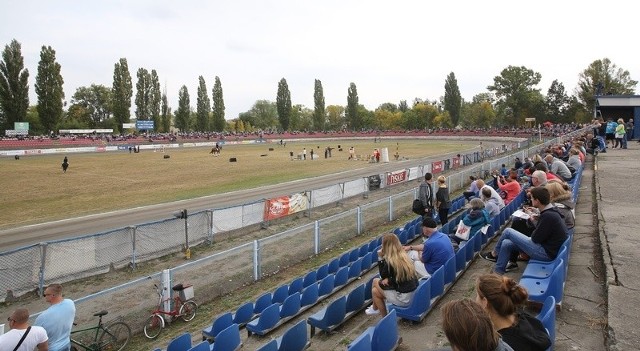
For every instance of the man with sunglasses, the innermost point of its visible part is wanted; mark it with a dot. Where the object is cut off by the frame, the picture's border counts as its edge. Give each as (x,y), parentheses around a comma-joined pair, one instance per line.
(57,320)
(22,337)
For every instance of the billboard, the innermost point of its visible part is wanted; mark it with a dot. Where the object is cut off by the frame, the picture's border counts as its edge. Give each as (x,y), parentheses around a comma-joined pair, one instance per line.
(23,126)
(144,125)
(285,205)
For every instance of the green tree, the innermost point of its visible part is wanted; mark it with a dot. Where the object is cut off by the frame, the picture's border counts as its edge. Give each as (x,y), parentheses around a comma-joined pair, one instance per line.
(402,106)
(335,117)
(613,81)
(515,93)
(263,115)
(425,114)
(283,103)
(219,121)
(203,106)
(155,99)
(386,119)
(165,115)
(557,103)
(14,86)
(49,89)
(183,113)
(122,91)
(92,105)
(351,113)
(319,115)
(143,95)
(452,98)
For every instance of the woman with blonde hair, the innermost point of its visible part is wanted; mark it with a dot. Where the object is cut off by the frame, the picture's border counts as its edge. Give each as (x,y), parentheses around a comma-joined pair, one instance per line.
(443,203)
(621,135)
(561,198)
(398,278)
(501,297)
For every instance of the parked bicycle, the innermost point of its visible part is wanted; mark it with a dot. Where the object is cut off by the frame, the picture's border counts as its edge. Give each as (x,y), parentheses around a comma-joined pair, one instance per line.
(181,307)
(107,337)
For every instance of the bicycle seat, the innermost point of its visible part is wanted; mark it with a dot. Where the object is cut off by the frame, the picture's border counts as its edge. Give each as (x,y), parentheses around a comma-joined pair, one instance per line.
(101,313)
(178,287)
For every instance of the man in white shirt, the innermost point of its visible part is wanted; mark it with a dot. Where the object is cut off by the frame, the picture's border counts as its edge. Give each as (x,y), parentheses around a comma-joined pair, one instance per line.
(35,339)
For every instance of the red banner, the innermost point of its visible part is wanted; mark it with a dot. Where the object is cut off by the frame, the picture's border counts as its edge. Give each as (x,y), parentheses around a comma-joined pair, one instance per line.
(436,167)
(396,177)
(285,205)
(456,162)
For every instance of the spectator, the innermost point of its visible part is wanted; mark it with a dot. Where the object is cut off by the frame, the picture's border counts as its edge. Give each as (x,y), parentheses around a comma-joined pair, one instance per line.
(503,170)
(510,186)
(476,218)
(542,166)
(500,297)
(57,320)
(558,167)
(621,135)
(35,338)
(469,328)
(443,203)
(517,163)
(629,129)
(560,194)
(494,194)
(610,130)
(545,241)
(473,190)
(398,278)
(425,194)
(435,251)
(489,204)
(574,159)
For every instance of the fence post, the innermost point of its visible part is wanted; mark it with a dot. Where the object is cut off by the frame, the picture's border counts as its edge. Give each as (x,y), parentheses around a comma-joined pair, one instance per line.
(256,260)
(359,220)
(316,237)
(210,226)
(132,229)
(166,289)
(43,257)
(390,206)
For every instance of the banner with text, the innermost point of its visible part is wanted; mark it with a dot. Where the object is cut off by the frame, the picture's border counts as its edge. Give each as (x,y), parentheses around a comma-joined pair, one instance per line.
(285,205)
(396,177)
(436,167)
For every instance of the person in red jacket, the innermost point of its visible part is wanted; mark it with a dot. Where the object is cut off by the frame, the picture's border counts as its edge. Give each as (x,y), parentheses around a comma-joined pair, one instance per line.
(510,186)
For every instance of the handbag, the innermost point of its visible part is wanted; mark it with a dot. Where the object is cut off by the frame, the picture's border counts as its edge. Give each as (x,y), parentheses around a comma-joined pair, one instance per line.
(463,231)
(417,207)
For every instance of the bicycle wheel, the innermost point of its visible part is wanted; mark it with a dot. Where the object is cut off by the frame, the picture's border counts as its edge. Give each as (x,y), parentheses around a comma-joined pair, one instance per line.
(114,337)
(188,311)
(153,326)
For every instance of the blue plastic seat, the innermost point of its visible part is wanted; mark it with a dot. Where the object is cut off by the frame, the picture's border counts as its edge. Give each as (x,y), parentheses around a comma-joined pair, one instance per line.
(540,288)
(403,237)
(355,269)
(420,304)
(262,302)
(322,272)
(329,317)
(180,343)
(547,316)
(356,299)
(437,282)
(361,344)
(344,259)
(334,265)
(203,346)
(542,269)
(309,296)
(373,244)
(450,270)
(219,324)
(354,255)
(384,335)
(364,249)
(368,290)
(366,262)
(296,285)
(280,294)
(342,277)
(309,279)
(460,257)
(295,338)
(270,346)
(228,339)
(326,285)
(243,314)
(268,319)
(291,306)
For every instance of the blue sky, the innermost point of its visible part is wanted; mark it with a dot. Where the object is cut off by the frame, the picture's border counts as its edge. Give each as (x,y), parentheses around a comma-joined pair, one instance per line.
(391,50)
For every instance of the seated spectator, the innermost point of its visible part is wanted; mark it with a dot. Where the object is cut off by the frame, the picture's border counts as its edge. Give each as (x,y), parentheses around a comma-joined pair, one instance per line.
(542,166)
(558,167)
(561,198)
(509,186)
(490,204)
(494,194)
(35,338)
(398,278)
(574,159)
(545,241)
(435,251)
(473,190)
(468,327)
(476,217)
(500,297)
(517,163)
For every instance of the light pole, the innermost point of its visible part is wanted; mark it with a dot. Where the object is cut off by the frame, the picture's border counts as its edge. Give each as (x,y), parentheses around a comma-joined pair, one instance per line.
(184,215)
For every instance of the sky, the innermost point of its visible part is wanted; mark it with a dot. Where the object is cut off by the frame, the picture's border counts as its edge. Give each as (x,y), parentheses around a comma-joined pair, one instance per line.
(392,50)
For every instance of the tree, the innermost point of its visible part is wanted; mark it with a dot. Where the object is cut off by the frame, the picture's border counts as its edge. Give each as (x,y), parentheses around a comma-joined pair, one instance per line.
(219,121)
(335,117)
(263,115)
(155,98)
(283,104)
(557,103)
(183,113)
(49,89)
(14,86)
(386,119)
(452,98)
(612,80)
(514,89)
(353,119)
(143,95)
(203,106)
(319,116)
(402,106)
(425,113)
(122,91)
(92,105)
(165,114)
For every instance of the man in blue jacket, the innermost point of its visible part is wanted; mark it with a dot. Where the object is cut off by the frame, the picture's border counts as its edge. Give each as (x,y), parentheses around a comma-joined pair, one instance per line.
(435,251)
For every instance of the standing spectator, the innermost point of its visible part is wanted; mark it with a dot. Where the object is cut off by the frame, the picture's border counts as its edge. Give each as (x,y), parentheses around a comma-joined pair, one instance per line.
(610,130)
(468,327)
(629,128)
(22,337)
(510,186)
(398,278)
(442,200)
(352,153)
(57,320)
(501,297)
(621,135)
(311,154)
(304,153)
(425,194)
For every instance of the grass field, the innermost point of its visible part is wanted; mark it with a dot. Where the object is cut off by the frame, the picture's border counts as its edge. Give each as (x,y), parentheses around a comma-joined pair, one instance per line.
(35,190)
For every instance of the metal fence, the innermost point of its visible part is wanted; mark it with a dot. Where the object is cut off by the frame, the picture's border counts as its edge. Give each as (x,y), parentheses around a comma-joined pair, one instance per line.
(33,267)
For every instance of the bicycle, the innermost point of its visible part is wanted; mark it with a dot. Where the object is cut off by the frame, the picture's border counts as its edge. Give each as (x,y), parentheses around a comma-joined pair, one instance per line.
(108,337)
(181,308)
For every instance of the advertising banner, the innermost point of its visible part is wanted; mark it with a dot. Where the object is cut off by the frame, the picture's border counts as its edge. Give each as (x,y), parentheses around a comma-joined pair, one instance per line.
(456,162)
(285,205)
(396,177)
(436,167)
